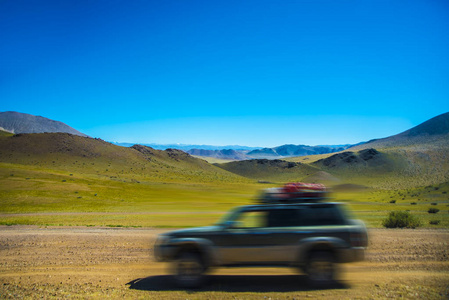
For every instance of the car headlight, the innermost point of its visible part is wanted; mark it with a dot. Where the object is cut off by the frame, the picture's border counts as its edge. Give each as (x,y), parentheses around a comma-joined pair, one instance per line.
(161,240)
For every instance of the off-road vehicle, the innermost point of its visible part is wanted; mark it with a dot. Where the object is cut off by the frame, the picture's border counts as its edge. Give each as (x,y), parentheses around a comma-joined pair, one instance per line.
(290,231)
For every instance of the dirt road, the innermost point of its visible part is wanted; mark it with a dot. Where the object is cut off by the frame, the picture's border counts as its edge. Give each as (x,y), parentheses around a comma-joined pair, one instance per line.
(90,262)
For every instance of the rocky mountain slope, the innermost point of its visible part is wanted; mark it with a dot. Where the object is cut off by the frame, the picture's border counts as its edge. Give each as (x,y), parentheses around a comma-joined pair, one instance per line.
(432,133)
(16,122)
(416,157)
(67,152)
(270,170)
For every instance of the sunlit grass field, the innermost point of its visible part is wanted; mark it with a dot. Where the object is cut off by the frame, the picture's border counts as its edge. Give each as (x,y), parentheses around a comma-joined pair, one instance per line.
(38,196)
(32,195)
(65,180)
(373,206)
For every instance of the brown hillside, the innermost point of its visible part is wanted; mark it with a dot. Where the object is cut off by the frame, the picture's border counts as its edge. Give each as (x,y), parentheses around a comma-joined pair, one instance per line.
(361,159)
(416,157)
(270,170)
(62,151)
(173,157)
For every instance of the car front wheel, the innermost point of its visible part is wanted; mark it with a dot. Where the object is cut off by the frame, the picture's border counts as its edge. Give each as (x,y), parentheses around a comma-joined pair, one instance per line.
(189,270)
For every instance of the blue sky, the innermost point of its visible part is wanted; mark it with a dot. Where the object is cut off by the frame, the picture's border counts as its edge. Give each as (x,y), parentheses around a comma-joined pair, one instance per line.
(255,73)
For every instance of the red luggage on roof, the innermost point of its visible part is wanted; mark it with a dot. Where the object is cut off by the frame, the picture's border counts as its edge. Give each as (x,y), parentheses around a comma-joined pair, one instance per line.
(296,187)
(295,192)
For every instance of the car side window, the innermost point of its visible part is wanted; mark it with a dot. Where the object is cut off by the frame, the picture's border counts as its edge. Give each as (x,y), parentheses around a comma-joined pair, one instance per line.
(252,219)
(283,218)
(322,215)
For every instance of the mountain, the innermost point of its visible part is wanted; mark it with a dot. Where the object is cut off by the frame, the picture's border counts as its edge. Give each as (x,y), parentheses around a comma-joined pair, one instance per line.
(264,153)
(435,126)
(431,133)
(16,122)
(237,152)
(295,150)
(415,157)
(267,153)
(187,147)
(367,158)
(269,169)
(72,153)
(228,154)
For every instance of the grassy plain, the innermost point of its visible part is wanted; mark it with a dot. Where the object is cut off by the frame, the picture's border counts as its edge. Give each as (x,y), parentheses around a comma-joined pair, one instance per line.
(59,179)
(36,196)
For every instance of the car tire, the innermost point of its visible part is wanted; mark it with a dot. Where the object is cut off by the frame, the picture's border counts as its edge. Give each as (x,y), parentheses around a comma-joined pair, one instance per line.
(321,269)
(189,270)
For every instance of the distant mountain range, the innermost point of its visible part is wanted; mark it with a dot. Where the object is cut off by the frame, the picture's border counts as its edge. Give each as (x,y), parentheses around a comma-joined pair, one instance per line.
(227,154)
(295,150)
(429,132)
(187,147)
(237,152)
(268,153)
(414,158)
(16,122)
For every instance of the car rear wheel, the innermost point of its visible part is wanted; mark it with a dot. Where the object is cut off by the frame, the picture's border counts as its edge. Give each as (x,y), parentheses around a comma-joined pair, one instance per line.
(189,270)
(321,269)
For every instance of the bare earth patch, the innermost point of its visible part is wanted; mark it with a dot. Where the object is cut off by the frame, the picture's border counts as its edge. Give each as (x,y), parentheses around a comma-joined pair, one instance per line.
(92,262)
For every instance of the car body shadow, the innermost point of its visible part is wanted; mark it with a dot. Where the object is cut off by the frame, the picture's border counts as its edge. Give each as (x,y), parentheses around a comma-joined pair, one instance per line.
(235,283)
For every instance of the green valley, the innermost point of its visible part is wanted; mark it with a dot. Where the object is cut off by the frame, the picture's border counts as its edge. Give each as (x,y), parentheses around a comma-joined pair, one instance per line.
(63,179)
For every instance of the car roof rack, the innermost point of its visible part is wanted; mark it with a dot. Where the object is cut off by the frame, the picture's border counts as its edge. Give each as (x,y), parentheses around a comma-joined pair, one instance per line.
(291,193)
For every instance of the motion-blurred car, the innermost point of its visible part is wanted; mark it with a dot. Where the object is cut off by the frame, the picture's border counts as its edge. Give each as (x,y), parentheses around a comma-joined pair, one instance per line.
(289,231)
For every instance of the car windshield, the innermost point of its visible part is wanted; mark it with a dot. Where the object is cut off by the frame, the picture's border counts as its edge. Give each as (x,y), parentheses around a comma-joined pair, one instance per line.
(229,216)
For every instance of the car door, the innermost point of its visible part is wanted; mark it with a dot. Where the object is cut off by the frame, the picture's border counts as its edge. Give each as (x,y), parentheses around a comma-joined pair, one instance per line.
(262,236)
(246,242)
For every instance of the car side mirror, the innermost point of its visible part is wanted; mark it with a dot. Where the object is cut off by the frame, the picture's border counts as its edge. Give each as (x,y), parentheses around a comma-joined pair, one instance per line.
(232,224)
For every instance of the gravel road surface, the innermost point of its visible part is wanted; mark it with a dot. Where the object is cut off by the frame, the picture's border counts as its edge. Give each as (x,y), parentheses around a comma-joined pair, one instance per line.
(92,262)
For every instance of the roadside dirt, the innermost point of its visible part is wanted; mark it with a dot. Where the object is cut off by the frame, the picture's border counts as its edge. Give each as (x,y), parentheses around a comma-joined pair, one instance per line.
(91,262)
